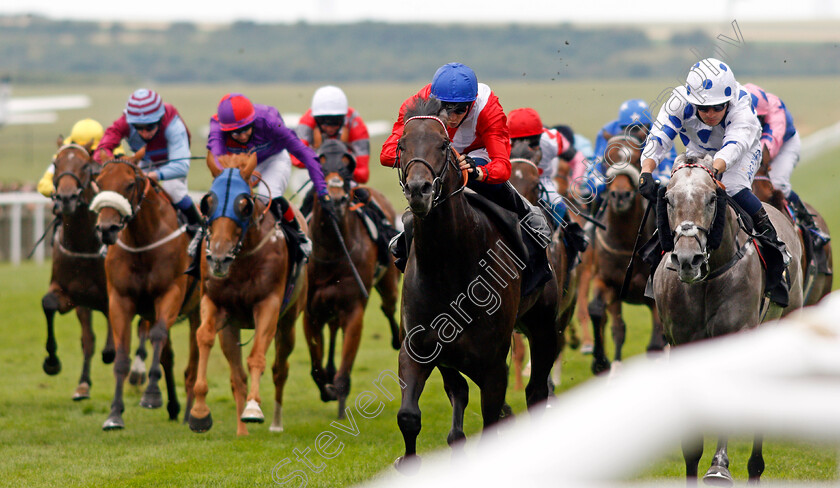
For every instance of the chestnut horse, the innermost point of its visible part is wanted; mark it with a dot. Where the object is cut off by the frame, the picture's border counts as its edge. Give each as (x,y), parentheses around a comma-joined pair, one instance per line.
(816,284)
(78,260)
(710,282)
(613,248)
(525,177)
(335,297)
(145,268)
(461,292)
(244,285)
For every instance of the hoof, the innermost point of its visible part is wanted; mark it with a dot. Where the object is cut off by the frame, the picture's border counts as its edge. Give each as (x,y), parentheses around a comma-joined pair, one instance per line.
(152,399)
(173,409)
(135,378)
(52,366)
(408,465)
(252,413)
(586,349)
(275,428)
(718,476)
(113,423)
(599,366)
(395,343)
(200,425)
(328,394)
(108,356)
(506,412)
(82,392)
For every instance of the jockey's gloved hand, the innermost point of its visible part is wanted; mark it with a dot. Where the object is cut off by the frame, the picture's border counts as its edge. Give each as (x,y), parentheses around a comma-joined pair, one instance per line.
(327,206)
(474,172)
(648,187)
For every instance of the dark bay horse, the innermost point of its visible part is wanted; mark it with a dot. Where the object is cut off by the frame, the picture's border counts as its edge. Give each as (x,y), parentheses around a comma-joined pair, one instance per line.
(334,295)
(145,273)
(613,248)
(816,284)
(710,281)
(461,291)
(525,177)
(244,285)
(78,262)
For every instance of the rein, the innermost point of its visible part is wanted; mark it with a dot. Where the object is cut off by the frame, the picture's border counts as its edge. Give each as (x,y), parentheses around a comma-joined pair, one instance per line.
(437,183)
(155,244)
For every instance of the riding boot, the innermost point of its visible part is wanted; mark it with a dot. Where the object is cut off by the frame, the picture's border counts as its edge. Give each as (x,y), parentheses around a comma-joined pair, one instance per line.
(777,286)
(195,229)
(806,220)
(401,243)
(280,208)
(193,219)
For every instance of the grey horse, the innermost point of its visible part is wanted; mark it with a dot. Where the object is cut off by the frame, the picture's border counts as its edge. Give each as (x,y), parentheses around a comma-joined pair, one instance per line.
(711,283)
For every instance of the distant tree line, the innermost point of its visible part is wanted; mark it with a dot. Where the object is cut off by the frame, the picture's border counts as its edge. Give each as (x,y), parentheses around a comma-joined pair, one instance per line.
(36,49)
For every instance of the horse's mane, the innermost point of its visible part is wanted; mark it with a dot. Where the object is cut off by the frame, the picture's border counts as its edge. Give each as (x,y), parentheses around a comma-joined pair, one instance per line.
(419,106)
(233,160)
(521,150)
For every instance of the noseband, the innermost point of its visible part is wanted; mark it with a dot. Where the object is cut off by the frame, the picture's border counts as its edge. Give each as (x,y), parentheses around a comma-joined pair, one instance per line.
(450,160)
(121,204)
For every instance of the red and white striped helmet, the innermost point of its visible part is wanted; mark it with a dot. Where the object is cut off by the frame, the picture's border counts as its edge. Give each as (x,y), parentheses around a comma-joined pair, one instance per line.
(144,107)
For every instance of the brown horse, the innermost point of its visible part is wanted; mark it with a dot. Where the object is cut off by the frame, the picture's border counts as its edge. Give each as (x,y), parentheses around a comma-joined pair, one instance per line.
(78,260)
(816,284)
(613,249)
(525,177)
(461,292)
(145,273)
(244,285)
(710,283)
(335,297)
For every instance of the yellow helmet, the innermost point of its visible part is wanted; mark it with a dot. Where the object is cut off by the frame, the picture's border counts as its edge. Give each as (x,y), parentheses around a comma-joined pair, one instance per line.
(84,131)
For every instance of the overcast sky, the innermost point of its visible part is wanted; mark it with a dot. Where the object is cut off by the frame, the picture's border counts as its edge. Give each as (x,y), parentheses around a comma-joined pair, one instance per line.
(538,11)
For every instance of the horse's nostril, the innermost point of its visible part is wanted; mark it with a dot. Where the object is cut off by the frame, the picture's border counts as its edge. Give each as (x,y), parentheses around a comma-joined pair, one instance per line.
(675,260)
(697,260)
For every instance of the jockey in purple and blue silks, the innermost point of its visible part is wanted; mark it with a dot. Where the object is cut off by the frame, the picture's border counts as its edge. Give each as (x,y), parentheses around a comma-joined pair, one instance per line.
(713,115)
(240,126)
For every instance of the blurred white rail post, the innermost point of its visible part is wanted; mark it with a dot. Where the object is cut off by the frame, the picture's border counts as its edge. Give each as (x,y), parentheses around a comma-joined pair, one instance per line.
(14,235)
(15,201)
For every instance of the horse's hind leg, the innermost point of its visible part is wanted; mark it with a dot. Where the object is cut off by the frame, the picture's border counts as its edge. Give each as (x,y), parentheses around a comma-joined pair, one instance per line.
(138,367)
(598,317)
(152,397)
(284,342)
(619,328)
(755,466)
(718,473)
(388,288)
(414,376)
(88,345)
(692,449)
(167,361)
(191,371)
(352,334)
(313,331)
(458,391)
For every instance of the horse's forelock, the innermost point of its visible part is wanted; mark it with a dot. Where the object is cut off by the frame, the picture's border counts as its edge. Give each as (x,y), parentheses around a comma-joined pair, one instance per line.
(238,161)
(420,106)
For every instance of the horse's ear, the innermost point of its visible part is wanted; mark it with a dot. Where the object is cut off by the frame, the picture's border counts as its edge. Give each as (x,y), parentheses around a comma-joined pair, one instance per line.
(138,155)
(249,166)
(213,165)
(89,146)
(606,135)
(60,141)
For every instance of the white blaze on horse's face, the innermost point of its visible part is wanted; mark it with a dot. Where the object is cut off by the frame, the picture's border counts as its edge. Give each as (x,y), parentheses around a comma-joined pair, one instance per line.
(688,197)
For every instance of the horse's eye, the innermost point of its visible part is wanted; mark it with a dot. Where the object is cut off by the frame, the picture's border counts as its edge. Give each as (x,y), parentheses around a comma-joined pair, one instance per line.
(711,201)
(244,206)
(208,204)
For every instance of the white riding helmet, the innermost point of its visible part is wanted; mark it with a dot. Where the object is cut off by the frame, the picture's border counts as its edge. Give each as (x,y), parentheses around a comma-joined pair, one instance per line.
(710,82)
(329,100)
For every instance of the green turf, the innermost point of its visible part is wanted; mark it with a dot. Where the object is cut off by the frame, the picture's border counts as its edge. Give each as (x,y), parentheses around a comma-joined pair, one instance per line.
(48,440)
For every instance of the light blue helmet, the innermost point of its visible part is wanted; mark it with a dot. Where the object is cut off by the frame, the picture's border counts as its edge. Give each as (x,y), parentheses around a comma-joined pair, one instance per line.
(633,112)
(455,82)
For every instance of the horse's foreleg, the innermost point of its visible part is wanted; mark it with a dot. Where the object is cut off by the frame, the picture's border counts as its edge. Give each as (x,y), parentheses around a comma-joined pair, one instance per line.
(493,387)
(414,376)
(120,310)
(619,328)
(755,466)
(88,345)
(657,333)
(229,340)
(138,367)
(108,351)
(692,449)
(284,342)
(200,419)
(585,278)
(53,301)
(543,343)
(598,317)
(313,331)
(459,395)
(192,363)
(388,288)
(266,314)
(334,326)
(718,473)
(352,334)
(517,353)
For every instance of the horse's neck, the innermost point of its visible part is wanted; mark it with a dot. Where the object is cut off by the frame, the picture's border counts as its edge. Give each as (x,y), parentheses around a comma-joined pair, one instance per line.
(448,234)
(324,241)
(78,230)
(155,219)
(256,233)
(623,227)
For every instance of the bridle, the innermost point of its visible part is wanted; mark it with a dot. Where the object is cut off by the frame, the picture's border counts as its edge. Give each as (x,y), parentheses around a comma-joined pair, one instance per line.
(450,156)
(89,169)
(141,187)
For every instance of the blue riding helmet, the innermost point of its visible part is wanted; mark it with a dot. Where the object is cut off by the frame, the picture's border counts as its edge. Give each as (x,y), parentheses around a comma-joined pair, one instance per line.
(455,82)
(221,200)
(634,111)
